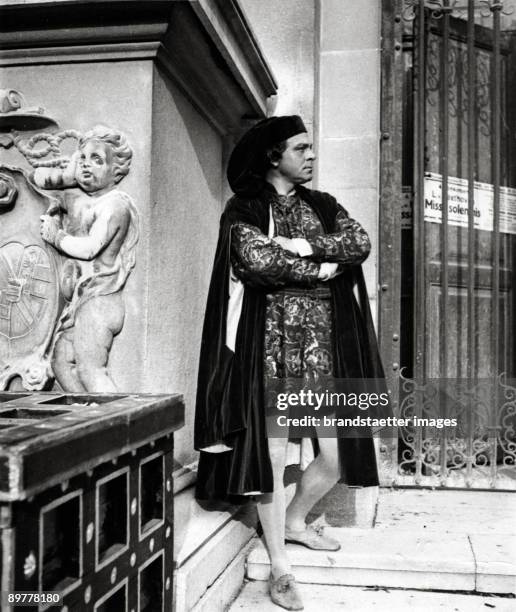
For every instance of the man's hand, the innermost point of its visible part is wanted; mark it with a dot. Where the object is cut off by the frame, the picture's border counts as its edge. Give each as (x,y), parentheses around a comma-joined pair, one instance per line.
(286,244)
(296,246)
(328,270)
(49,229)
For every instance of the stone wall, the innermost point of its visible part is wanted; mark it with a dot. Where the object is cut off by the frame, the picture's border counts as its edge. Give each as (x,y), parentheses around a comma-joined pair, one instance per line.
(348,113)
(79,98)
(325,55)
(286,33)
(183,220)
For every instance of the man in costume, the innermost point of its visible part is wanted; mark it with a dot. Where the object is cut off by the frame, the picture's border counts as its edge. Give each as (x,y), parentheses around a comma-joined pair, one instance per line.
(281,305)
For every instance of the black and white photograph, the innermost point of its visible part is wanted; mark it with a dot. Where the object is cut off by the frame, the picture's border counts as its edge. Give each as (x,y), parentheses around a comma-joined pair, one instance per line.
(257,315)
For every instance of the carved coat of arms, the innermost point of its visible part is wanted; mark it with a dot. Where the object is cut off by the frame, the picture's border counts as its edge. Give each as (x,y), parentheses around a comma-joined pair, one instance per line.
(29,283)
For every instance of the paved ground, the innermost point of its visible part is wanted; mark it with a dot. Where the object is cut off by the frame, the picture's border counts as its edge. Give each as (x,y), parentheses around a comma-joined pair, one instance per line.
(323,598)
(424,541)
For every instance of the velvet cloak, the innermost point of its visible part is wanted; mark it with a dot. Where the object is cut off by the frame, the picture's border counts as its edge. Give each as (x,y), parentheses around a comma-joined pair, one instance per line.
(230,390)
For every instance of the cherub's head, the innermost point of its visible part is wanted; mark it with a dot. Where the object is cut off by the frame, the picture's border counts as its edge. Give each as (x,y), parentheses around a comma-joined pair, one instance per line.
(104,158)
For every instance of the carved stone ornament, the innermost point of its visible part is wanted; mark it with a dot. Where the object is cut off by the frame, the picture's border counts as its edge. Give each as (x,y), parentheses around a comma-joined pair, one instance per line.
(29,283)
(14,114)
(95,230)
(64,260)
(30,565)
(8,191)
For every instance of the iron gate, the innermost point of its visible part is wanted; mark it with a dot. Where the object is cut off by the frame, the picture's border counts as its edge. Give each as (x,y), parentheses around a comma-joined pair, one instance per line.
(449,257)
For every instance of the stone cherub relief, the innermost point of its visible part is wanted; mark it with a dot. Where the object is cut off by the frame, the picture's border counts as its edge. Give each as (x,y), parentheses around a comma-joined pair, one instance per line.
(90,229)
(98,232)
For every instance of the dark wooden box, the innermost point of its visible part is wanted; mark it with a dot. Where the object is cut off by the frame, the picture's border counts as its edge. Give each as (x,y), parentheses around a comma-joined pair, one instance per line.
(86,499)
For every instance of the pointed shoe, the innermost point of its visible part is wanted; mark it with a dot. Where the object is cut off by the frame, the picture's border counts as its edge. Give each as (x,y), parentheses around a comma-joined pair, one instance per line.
(284,592)
(311,537)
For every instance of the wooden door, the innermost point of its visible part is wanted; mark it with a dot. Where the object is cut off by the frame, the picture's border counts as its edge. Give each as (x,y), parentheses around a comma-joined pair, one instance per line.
(457,268)
(481,359)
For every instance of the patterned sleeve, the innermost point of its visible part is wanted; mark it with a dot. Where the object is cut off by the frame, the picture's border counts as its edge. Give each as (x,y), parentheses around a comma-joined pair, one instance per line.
(260,262)
(350,245)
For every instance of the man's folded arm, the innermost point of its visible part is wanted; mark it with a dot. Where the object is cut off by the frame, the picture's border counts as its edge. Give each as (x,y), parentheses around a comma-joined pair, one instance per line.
(349,245)
(260,262)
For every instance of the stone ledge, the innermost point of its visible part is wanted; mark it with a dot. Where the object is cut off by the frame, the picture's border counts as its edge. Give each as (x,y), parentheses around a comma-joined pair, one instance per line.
(184,476)
(227,586)
(195,525)
(206,46)
(468,511)
(495,560)
(342,506)
(202,569)
(380,558)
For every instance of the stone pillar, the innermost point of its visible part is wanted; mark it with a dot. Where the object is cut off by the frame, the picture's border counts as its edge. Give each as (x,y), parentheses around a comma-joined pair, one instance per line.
(348,114)
(347,136)
(286,33)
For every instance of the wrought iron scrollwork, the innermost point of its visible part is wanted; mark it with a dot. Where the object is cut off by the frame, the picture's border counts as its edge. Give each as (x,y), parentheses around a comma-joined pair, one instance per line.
(458,82)
(494,6)
(437,8)
(479,450)
(409,10)
(440,7)
(507,431)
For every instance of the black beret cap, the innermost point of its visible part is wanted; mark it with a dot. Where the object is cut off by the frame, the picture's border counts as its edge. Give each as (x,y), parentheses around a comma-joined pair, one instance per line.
(247,163)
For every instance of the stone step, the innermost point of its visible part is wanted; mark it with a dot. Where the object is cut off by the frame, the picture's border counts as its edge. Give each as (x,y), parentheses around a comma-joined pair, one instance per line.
(214,569)
(195,525)
(402,559)
(254,597)
(466,511)
(226,587)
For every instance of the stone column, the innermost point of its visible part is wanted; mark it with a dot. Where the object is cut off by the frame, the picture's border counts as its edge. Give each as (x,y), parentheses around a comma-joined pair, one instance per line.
(347,136)
(348,113)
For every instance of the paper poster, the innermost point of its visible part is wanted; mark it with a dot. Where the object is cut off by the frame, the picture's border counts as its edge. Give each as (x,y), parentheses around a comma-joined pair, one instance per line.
(458,204)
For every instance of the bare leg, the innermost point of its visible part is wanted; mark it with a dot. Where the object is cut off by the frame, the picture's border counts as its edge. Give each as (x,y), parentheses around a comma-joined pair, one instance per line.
(271,511)
(63,364)
(96,323)
(318,478)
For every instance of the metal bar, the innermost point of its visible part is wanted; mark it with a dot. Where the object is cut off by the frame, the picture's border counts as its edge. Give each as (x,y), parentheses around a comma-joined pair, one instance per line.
(419,190)
(470,432)
(390,220)
(444,170)
(472,142)
(419,221)
(496,110)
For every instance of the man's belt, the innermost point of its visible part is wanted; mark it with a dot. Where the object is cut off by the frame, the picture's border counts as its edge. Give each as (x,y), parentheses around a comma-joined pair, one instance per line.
(320,291)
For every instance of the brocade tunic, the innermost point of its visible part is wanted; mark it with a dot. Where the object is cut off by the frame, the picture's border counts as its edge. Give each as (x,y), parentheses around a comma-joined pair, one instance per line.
(298,334)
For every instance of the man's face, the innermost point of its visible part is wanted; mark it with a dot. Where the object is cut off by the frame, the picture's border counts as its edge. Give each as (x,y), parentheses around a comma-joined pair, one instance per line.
(296,163)
(95,166)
